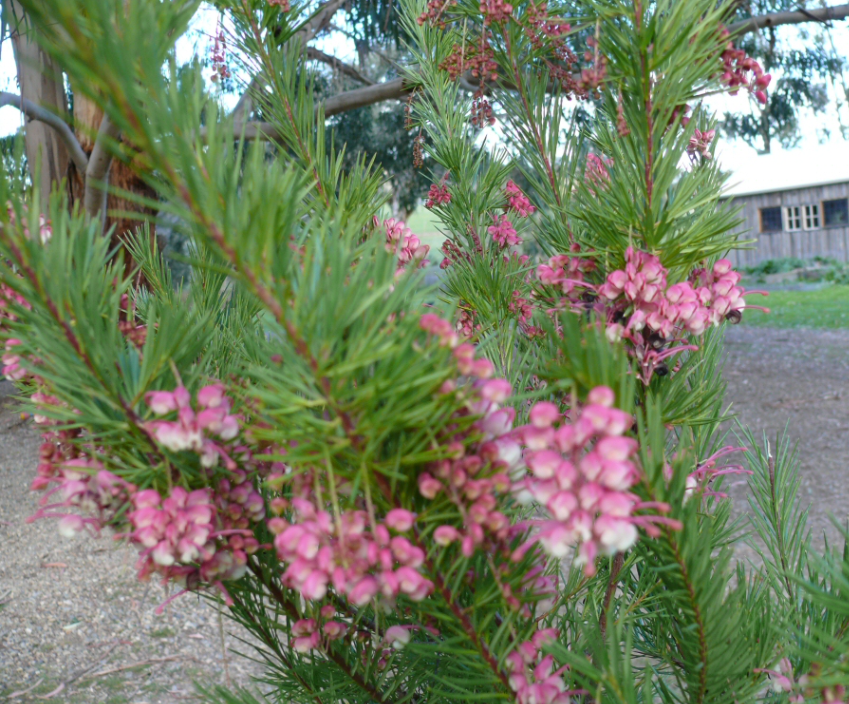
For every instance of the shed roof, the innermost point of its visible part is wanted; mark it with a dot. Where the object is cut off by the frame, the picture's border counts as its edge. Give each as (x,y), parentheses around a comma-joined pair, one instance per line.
(785,170)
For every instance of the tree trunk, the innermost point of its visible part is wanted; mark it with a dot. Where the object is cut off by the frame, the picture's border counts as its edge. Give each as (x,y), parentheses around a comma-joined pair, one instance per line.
(40,80)
(87,119)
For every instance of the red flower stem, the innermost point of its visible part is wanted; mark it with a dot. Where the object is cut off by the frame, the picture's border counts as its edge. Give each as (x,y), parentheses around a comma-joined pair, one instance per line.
(269,67)
(272,643)
(77,346)
(694,604)
(646,76)
(530,115)
(618,561)
(461,615)
(293,614)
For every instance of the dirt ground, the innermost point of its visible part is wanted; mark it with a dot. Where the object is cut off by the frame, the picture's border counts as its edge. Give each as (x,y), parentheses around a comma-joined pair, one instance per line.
(798,379)
(77,624)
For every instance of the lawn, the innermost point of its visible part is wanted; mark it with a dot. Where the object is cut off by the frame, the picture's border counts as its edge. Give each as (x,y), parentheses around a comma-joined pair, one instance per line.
(425,224)
(824,308)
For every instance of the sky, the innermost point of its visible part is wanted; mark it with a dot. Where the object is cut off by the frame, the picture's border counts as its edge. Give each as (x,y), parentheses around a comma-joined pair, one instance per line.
(734,155)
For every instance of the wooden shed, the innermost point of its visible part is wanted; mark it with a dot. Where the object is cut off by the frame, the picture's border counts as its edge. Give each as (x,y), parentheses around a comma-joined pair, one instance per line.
(794,204)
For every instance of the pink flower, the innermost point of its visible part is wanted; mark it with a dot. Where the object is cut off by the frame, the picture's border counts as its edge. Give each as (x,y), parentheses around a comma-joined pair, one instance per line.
(700,144)
(333,630)
(161,402)
(596,174)
(497,390)
(397,636)
(544,414)
(503,232)
(445,535)
(401,241)
(582,473)
(429,487)
(400,520)
(212,396)
(602,396)
(518,201)
(70,525)
(364,591)
(437,195)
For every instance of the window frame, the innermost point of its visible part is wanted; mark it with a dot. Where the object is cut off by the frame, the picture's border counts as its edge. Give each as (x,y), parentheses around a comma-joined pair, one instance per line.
(845,223)
(811,217)
(790,219)
(780,228)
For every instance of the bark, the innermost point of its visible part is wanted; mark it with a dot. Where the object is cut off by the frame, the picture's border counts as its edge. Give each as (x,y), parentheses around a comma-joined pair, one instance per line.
(40,81)
(34,112)
(121,213)
(775,19)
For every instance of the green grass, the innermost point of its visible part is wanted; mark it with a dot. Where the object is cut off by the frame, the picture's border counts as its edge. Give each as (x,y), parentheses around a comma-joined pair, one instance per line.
(424,223)
(825,308)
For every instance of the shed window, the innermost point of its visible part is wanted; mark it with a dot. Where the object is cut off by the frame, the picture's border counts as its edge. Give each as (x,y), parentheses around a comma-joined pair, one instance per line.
(793,218)
(771,219)
(835,212)
(812,217)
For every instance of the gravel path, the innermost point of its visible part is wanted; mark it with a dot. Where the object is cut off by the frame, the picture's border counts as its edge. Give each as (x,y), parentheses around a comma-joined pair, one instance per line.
(74,610)
(797,379)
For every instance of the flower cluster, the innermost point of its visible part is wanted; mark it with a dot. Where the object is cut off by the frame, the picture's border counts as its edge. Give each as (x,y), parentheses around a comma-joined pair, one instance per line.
(80,482)
(12,368)
(284,5)
(400,240)
(503,233)
(582,472)
(637,304)
(495,11)
(700,144)
(433,14)
(741,71)
(82,485)
(647,312)
(593,76)
(192,429)
(566,274)
(478,59)
(517,201)
(437,195)
(191,537)
(534,679)
(45,229)
(466,324)
(308,633)
(361,560)
(218,57)
(481,112)
(187,537)
(540,26)
(596,174)
(9,298)
(476,474)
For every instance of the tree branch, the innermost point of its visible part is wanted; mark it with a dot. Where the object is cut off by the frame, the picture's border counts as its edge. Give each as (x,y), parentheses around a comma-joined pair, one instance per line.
(774,19)
(343,102)
(346,69)
(319,22)
(35,112)
(94,200)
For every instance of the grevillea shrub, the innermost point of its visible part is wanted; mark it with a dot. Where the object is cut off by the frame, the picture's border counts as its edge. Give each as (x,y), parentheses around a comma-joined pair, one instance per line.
(508,488)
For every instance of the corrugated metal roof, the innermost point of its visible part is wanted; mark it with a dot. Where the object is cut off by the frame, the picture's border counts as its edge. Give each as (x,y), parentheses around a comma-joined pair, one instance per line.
(785,170)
